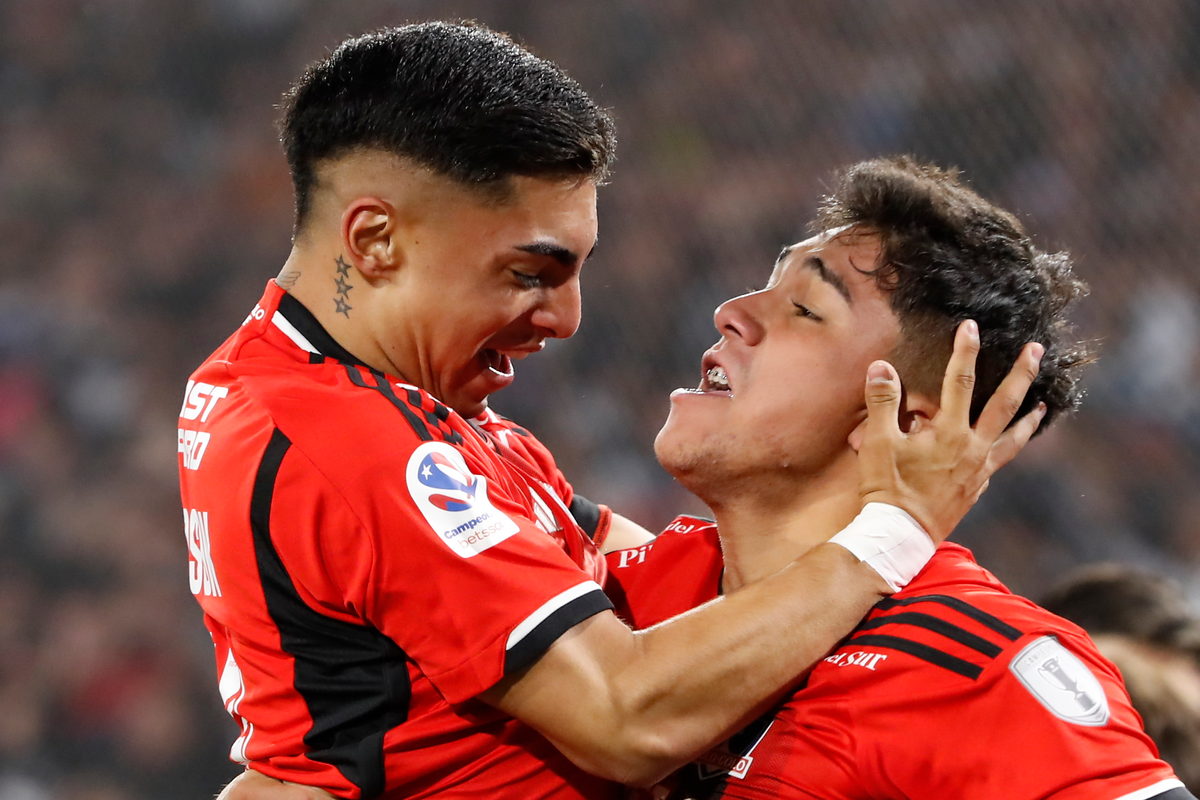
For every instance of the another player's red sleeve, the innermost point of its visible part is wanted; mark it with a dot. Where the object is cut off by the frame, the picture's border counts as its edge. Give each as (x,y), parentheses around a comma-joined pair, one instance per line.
(1048,718)
(451,570)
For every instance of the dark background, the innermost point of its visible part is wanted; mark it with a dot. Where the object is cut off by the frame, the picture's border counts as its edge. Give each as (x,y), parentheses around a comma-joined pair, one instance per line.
(144,202)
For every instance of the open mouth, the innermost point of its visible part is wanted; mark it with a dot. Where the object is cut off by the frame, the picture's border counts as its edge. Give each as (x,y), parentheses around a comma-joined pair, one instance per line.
(715,380)
(495,361)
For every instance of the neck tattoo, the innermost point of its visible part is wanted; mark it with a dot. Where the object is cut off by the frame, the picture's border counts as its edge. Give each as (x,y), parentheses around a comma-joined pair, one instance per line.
(340,300)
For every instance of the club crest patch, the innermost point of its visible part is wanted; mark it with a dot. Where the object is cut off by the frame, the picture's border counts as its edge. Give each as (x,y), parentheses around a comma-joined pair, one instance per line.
(1061,682)
(454,500)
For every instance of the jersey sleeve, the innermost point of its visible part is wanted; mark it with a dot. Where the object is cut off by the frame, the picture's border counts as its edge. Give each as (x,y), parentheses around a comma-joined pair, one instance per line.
(446,563)
(1047,718)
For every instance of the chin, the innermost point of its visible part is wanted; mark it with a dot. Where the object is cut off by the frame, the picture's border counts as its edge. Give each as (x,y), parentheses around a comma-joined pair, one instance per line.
(691,460)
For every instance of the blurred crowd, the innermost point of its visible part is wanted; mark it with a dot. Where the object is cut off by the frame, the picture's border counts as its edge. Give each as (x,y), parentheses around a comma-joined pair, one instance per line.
(144,202)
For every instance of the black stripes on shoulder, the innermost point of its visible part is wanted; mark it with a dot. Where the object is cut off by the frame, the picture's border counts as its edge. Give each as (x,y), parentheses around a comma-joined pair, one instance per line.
(353,679)
(937,625)
(894,640)
(417,417)
(961,606)
(437,417)
(1178,793)
(921,651)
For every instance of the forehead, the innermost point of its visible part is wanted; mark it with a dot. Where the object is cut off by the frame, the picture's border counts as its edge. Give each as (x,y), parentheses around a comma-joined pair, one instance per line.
(847,252)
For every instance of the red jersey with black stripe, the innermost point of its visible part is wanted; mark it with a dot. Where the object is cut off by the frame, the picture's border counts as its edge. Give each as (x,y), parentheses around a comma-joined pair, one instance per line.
(368,562)
(952,688)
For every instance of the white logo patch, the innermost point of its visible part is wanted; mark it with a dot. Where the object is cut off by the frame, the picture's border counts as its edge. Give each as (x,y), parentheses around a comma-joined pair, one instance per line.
(454,501)
(1061,682)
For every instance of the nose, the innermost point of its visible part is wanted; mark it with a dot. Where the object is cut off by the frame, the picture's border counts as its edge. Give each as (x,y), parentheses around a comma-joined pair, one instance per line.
(735,319)
(557,315)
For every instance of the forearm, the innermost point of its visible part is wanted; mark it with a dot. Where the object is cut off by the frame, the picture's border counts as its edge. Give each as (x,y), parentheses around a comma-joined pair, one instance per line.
(649,701)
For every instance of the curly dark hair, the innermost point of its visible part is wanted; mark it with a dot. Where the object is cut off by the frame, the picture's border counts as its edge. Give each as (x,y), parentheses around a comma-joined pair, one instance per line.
(948,255)
(457,98)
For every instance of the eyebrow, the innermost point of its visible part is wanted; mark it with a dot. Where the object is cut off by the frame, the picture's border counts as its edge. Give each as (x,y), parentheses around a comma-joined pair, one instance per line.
(563,255)
(829,276)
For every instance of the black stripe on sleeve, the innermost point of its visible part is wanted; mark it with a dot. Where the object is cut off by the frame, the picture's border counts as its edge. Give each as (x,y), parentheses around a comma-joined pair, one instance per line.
(353,679)
(413,420)
(921,651)
(961,606)
(586,514)
(940,626)
(316,358)
(536,642)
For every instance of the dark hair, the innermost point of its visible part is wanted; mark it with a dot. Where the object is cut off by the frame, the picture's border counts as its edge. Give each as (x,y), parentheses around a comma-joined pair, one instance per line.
(1113,598)
(948,255)
(457,98)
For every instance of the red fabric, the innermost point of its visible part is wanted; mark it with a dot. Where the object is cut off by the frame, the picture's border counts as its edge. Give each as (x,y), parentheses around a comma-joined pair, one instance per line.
(358,549)
(881,723)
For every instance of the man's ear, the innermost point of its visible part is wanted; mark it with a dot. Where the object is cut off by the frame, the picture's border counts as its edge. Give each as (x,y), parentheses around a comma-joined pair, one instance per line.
(916,412)
(368,237)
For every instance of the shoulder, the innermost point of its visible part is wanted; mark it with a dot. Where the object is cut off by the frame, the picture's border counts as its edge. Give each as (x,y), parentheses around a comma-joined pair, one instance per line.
(955,621)
(677,571)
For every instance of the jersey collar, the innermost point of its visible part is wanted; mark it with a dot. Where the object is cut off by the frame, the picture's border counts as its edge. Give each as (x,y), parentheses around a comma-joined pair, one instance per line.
(299,324)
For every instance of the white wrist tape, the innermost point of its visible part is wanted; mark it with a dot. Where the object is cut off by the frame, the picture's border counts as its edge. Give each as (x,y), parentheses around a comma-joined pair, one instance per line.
(890,541)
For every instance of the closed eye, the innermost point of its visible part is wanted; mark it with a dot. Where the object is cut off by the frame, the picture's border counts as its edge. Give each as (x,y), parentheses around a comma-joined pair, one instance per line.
(803,311)
(527,280)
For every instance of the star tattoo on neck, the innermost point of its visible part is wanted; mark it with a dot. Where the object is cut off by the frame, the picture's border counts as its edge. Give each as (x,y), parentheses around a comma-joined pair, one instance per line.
(340,304)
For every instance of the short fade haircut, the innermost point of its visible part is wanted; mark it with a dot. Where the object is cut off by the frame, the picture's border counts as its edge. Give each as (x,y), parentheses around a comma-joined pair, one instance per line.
(947,256)
(457,98)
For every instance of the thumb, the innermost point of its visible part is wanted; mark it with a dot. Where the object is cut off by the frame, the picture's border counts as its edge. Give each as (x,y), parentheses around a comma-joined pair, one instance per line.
(883,400)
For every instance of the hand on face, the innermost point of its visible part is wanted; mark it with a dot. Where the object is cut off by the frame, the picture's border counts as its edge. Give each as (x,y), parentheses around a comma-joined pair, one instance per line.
(251,785)
(938,470)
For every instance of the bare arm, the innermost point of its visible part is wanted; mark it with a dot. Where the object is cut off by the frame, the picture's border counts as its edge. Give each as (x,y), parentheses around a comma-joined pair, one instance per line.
(624,534)
(631,707)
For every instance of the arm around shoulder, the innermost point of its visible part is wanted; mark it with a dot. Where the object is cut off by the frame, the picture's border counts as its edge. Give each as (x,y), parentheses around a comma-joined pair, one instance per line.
(632,707)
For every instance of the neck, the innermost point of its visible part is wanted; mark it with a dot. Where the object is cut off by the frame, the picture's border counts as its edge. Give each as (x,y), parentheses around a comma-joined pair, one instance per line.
(337,297)
(762,535)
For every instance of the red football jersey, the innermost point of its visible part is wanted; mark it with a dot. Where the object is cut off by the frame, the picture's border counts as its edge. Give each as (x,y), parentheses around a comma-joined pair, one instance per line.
(368,562)
(952,688)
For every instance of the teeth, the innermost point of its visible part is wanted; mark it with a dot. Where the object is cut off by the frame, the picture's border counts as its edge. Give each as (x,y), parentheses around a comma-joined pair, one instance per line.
(716,378)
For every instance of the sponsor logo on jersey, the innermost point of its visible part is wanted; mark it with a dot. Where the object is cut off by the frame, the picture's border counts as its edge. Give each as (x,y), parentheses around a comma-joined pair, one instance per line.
(200,399)
(634,556)
(856,658)
(192,445)
(202,575)
(733,758)
(1061,682)
(682,525)
(454,501)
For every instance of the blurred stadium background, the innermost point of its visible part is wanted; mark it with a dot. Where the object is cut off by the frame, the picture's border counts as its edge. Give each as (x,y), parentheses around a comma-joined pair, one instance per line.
(144,202)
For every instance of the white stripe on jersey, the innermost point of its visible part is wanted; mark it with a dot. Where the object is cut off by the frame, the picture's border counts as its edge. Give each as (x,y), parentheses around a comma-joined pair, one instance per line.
(1153,791)
(547,608)
(289,330)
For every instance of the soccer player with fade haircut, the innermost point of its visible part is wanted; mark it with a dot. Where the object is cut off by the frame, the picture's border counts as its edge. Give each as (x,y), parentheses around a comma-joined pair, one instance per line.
(403,590)
(953,687)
